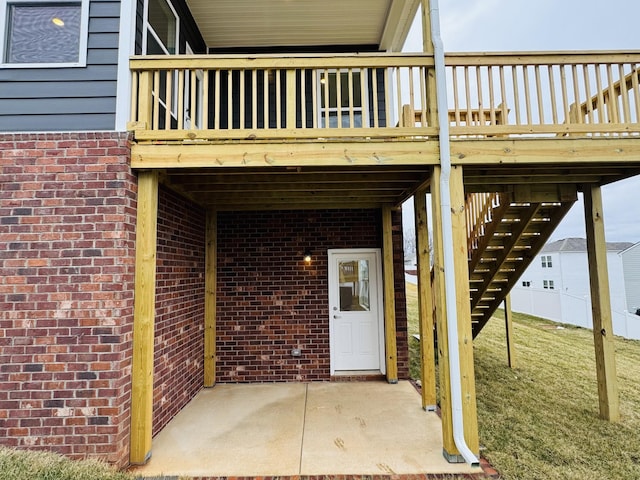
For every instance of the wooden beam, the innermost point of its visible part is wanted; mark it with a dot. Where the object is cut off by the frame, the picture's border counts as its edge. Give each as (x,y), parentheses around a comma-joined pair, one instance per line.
(545,151)
(601,305)
(210,299)
(144,318)
(342,154)
(448,443)
(425,303)
(389,297)
(463,307)
(508,324)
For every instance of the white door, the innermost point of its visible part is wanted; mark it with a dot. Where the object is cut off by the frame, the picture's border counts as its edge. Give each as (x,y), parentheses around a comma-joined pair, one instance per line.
(355,310)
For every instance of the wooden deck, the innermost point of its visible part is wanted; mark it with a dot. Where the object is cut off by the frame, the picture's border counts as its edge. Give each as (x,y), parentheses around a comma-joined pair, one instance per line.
(514,118)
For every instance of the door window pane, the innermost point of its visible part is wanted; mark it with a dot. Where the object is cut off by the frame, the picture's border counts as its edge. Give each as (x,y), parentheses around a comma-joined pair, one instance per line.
(354,285)
(163,22)
(39,33)
(349,101)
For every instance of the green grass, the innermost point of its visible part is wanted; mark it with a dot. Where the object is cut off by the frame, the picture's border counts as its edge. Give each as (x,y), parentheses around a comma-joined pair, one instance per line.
(30,465)
(540,420)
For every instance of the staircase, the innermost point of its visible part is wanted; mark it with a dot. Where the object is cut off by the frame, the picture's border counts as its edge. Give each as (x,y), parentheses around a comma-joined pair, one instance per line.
(504,236)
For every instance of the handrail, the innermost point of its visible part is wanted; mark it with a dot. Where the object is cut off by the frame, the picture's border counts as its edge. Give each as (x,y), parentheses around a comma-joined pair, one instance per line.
(282,97)
(479,212)
(277,96)
(542,91)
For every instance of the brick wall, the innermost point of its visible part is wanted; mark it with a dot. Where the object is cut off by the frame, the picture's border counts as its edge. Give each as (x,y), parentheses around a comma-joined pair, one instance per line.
(179,330)
(402,333)
(270,300)
(67,216)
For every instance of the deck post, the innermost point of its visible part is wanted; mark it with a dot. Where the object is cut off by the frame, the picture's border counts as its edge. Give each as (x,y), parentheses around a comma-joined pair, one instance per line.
(427,46)
(210,299)
(425,303)
(389,297)
(465,337)
(448,443)
(508,324)
(144,318)
(463,307)
(601,305)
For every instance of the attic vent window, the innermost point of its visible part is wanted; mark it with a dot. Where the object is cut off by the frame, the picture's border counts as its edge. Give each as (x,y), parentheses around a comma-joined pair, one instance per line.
(44,33)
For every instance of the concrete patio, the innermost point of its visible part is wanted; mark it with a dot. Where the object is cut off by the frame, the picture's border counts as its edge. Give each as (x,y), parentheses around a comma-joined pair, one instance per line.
(368,428)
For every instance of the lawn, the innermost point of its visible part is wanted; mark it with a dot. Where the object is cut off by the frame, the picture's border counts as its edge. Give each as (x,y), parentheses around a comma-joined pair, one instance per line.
(30,465)
(540,419)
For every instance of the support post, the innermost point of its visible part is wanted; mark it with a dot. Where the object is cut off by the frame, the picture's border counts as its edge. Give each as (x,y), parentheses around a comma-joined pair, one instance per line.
(601,305)
(427,46)
(425,303)
(210,299)
(508,324)
(465,345)
(144,318)
(448,443)
(463,305)
(389,297)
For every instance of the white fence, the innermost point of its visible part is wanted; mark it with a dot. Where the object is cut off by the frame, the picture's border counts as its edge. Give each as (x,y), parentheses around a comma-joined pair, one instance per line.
(571,309)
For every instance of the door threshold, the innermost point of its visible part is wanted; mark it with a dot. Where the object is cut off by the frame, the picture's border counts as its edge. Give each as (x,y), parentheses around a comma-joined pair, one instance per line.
(358,376)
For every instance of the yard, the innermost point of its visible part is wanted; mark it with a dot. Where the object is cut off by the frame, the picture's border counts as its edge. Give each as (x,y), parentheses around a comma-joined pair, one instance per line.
(540,420)
(537,421)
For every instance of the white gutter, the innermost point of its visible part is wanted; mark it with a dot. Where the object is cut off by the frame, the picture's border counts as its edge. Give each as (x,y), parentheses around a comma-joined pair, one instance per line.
(447,237)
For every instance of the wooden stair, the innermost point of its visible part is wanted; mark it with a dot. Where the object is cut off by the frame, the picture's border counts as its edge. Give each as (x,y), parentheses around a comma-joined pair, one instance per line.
(504,237)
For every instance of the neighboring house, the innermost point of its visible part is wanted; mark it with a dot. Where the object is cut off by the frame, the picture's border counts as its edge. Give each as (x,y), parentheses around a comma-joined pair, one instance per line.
(556,285)
(170,221)
(631,269)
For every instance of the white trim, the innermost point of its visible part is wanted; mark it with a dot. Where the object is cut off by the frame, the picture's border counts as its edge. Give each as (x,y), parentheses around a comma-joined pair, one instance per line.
(126,48)
(379,301)
(83,41)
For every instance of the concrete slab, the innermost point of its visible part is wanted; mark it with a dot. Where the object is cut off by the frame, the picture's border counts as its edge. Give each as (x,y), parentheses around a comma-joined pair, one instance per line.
(231,430)
(367,428)
(371,428)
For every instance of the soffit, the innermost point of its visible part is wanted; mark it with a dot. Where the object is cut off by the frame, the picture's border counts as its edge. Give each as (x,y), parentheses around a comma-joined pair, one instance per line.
(268,23)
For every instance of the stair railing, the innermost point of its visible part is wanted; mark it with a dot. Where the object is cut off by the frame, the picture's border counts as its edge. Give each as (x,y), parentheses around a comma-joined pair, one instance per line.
(479,213)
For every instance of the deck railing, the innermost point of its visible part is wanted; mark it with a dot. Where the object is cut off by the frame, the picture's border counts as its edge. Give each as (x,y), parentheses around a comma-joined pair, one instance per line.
(479,210)
(310,96)
(384,95)
(540,94)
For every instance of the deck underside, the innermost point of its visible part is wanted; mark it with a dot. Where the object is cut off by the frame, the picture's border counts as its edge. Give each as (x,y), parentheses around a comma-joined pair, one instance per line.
(256,176)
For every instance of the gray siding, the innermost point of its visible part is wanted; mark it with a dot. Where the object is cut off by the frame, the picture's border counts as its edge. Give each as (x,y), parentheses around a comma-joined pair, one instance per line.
(67,99)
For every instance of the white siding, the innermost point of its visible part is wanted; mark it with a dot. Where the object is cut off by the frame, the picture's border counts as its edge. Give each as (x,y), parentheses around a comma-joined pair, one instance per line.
(570,300)
(631,267)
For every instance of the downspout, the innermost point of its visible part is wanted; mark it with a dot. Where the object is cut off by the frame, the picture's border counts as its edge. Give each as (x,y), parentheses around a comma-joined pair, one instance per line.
(447,234)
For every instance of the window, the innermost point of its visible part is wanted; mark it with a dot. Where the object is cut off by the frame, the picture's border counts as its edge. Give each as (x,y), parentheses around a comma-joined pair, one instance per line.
(161,38)
(546,261)
(526,284)
(44,33)
(548,284)
(162,28)
(341,95)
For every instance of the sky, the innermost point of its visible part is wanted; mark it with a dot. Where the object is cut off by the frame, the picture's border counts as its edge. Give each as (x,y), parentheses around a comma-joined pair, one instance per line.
(525,25)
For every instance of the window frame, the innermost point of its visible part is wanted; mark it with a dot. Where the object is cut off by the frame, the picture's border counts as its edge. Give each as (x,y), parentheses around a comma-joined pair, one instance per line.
(82,44)
(362,110)
(147,28)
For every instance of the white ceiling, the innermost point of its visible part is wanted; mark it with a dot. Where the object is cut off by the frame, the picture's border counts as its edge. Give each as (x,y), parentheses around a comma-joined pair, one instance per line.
(268,23)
